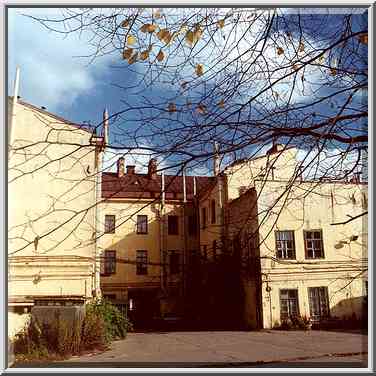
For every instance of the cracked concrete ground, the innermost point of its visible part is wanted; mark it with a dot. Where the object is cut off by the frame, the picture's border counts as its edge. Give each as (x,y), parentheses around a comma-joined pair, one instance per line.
(231,349)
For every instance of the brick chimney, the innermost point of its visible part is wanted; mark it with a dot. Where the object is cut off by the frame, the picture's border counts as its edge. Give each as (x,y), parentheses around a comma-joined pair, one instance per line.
(152,169)
(130,170)
(120,167)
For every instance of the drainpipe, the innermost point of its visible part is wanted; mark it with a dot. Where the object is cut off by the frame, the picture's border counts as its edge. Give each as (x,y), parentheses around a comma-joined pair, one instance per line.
(162,232)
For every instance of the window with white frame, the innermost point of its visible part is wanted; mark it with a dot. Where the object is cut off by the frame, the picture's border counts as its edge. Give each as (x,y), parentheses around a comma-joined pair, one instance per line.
(285,244)
(289,303)
(318,302)
(313,242)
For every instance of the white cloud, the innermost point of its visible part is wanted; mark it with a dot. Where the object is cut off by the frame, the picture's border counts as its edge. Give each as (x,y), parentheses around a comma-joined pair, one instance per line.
(50,75)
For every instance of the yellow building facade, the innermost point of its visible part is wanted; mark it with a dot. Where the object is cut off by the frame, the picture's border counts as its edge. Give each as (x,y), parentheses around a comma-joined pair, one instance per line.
(300,253)
(148,234)
(52,174)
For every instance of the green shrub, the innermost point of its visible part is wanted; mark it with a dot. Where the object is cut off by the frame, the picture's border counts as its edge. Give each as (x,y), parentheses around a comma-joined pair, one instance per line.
(93,333)
(115,323)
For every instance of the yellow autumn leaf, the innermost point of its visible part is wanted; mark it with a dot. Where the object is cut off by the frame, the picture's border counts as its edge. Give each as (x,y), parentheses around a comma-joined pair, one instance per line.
(280,50)
(199,69)
(172,107)
(363,38)
(221,24)
(201,108)
(152,28)
(160,55)
(133,59)
(221,104)
(321,59)
(167,37)
(190,38)
(131,39)
(127,53)
(333,71)
(144,55)
(161,34)
(197,33)
(301,47)
(164,36)
(125,23)
(144,28)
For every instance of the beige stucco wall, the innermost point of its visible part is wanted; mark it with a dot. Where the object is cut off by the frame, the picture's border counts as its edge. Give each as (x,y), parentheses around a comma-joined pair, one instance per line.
(244,173)
(51,195)
(306,206)
(343,268)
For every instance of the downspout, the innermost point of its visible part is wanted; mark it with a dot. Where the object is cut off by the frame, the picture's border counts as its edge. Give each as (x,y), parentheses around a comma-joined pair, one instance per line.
(98,194)
(162,232)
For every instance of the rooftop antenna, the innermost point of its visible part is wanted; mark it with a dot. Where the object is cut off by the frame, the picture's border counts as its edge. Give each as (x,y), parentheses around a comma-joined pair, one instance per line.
(105,126)
(215,158)
(14,103)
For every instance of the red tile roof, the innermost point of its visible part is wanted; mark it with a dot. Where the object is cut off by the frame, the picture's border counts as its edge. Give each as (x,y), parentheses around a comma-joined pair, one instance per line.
(141,186)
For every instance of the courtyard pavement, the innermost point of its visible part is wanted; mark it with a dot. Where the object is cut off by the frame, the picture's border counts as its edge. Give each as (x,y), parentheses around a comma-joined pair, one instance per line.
(266,348)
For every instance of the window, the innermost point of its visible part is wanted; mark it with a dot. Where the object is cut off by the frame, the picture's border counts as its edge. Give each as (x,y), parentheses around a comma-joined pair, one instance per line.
(173,225)
(109,224)
(289,303)
(203,217)
(142,262)
(192,225)
(174,261)
(214,249)
(142,224)
(109,263)
(318,302)
(313,244)
(212,211)
(285,244)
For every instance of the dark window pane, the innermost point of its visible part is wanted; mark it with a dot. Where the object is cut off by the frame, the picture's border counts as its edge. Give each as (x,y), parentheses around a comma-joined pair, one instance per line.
(142,224)
(109,224)
(318,302)
(314,244)
(141,262)
(289,303)
(109,262)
